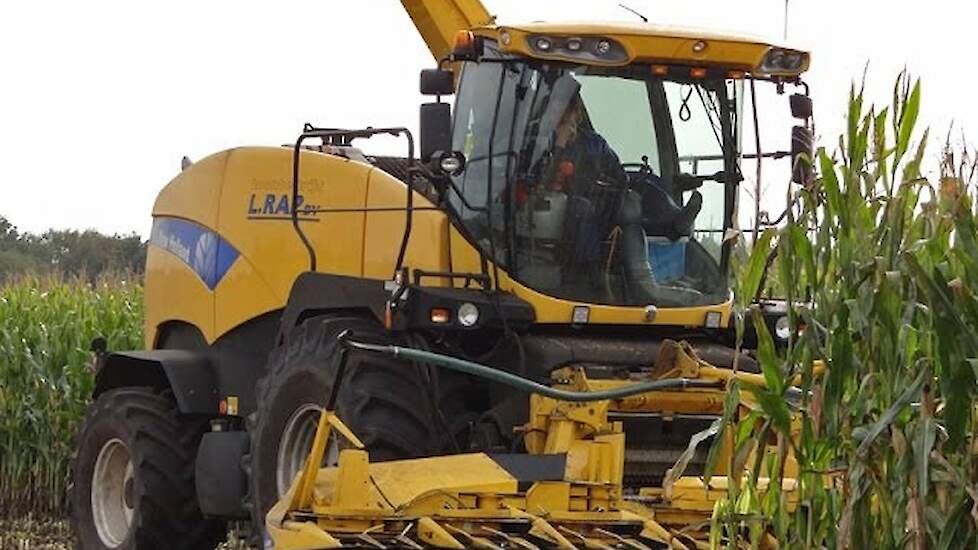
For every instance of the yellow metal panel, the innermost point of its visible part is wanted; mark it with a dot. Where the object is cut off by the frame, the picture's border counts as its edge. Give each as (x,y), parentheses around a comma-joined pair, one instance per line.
(353,483)
(437,21)
(195,193)
(174,293)
(428,247)
(255,218)
(295,535)
(245,196)
(435,535)
(552,496)
(404,480)
(465,258)
(557,310)
(241,295)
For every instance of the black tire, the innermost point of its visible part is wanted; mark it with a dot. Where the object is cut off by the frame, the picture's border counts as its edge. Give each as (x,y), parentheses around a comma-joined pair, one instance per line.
(386,403)
(161,446)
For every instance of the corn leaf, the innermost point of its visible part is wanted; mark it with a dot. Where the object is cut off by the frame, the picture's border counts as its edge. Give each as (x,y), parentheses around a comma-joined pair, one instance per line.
(890,414)
(751,279)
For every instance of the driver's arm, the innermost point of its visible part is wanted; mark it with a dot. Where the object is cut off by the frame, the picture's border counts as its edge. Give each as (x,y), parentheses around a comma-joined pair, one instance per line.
(607,161)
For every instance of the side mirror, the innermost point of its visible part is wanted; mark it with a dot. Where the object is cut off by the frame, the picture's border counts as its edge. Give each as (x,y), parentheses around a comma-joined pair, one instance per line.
(802,154)
(801,106)
(437,82)
(436,129)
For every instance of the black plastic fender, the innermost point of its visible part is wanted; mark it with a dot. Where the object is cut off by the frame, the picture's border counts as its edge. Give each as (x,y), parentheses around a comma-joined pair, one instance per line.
(189,374)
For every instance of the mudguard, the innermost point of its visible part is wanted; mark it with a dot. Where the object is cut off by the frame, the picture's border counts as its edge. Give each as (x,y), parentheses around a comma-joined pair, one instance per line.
(189,374)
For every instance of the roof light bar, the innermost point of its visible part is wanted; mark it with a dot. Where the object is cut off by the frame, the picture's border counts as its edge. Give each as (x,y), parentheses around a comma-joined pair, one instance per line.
(592,49)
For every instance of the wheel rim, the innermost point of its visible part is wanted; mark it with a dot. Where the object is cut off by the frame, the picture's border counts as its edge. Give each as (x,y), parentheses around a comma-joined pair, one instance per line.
(112,493)
(296,442)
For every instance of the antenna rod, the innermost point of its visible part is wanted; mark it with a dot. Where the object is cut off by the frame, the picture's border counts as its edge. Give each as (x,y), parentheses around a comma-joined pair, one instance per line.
(786,20)
(640,16)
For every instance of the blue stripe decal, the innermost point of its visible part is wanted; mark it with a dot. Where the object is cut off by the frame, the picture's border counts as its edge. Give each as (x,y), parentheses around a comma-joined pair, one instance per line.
(203,250)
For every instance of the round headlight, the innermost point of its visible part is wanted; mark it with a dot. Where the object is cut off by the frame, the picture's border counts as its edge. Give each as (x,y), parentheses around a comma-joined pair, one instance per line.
(602,47)
(782,329)
(451,164)
(468,314)
(543,44)
(574,44)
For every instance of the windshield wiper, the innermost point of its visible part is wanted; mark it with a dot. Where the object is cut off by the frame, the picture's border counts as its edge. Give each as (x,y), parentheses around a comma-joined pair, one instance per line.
(712,110)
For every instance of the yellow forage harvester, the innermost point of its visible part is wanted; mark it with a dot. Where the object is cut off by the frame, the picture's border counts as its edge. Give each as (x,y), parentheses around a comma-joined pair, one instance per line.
(514,333)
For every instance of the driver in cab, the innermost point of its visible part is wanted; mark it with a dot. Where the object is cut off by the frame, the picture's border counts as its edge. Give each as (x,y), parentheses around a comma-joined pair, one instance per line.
(583,165)
(581,158)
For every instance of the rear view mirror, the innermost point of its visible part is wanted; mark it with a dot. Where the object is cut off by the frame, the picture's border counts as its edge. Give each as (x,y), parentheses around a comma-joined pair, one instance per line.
(436,129)
(801,106)
(802,154)
(437,82)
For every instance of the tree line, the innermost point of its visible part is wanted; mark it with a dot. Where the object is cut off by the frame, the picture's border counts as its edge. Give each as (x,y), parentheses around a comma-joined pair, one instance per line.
(70,253)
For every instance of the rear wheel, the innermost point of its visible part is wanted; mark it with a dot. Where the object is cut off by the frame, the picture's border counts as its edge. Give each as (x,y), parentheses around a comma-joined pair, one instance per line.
(134,476)
(387,404)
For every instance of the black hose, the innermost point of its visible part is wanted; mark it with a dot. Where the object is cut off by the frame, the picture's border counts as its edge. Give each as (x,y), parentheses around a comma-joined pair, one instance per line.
(524,384)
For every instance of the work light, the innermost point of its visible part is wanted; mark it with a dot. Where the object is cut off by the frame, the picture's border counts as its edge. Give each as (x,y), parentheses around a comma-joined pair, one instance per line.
(782,61)
(594,49)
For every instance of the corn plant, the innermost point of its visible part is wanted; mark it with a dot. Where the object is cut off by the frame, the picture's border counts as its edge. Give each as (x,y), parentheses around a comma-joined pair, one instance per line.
(46,329)
(886,264)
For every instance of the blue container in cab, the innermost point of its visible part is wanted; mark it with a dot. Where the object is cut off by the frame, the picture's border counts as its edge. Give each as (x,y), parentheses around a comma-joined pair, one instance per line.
(667,258)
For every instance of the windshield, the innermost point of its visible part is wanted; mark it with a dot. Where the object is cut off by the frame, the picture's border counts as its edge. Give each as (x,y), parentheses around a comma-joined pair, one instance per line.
(598,185)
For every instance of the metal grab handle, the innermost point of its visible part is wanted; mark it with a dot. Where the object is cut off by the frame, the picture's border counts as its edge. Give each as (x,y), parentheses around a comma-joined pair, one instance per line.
(346,137)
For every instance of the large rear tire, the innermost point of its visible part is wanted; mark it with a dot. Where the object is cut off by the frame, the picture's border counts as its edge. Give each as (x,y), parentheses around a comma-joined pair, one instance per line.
(134,476)
(387,404)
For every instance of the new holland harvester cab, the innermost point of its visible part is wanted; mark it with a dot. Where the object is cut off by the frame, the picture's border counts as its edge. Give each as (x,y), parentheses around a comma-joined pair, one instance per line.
(508,337)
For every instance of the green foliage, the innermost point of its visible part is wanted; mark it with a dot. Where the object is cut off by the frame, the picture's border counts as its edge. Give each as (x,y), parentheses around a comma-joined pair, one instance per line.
(889,263)
(46,329)
(70,253)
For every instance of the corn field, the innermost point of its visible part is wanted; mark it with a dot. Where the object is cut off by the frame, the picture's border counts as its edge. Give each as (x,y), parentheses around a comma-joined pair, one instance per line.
(882,266)
(46,330)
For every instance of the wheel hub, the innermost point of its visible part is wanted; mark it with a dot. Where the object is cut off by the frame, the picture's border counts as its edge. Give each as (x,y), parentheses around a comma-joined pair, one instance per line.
(296,443)
(113,493)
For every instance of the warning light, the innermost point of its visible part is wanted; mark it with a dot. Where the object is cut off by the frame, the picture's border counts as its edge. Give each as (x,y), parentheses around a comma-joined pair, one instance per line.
(440,315)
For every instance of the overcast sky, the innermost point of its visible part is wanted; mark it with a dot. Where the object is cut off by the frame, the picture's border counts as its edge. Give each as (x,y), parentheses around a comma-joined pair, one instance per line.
(100,100)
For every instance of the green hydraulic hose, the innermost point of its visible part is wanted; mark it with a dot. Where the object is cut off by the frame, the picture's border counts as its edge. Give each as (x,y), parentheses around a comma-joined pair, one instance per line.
(524,384)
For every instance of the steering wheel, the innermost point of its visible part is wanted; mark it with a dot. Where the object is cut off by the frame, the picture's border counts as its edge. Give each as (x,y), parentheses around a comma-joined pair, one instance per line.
(636,168)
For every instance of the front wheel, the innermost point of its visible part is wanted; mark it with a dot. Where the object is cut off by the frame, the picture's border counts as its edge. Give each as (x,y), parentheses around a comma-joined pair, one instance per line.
(387,403)
(134,476)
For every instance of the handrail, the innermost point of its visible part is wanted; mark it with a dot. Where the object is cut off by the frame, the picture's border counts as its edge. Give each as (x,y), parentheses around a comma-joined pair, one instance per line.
(346,137)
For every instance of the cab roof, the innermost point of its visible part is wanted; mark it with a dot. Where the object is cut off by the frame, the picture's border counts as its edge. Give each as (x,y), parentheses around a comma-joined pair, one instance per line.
(627,28)
(648,42)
